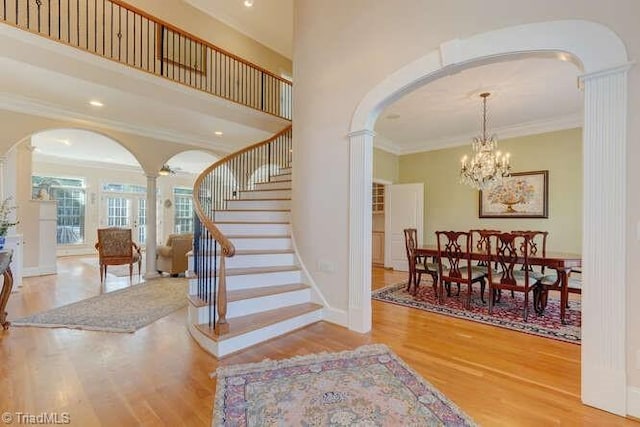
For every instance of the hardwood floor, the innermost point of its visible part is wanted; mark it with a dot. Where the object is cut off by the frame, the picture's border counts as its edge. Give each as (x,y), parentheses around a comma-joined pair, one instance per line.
(159,376)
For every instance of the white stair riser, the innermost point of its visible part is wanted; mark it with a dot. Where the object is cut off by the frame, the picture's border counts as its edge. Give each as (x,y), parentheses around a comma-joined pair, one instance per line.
(285,171)
(244,229)
(259,280)
(262,260)
(198,315)
(281,177)
(260,335)
(274,185)
(265,243)
(252,216)
(264,205)
(257,305)
(270,194)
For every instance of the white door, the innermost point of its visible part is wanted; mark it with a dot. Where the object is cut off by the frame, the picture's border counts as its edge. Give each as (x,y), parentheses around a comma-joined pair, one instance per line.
(404,205)
(128,212)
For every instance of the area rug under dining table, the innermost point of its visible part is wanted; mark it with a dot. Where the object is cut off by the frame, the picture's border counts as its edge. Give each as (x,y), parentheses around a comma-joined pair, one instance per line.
(369,386)
(507,313)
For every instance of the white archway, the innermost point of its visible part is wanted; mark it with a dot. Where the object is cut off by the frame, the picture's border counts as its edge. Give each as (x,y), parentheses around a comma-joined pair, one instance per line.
(603,59)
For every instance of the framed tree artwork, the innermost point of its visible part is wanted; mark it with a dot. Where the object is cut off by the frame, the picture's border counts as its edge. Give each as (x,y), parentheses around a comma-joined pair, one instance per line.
(521,195)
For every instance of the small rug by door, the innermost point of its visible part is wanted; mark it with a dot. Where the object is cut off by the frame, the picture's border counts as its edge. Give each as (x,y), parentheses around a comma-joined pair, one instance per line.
(506,314)
(124,310)
(369,386)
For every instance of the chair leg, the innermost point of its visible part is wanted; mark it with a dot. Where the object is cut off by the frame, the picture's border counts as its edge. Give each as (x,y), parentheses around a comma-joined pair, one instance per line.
(101,273)
(130,272)
(469,290)
(483,285)
(434,279)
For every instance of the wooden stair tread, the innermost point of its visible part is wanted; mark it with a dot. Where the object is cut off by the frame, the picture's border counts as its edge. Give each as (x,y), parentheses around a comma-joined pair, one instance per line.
(253,210)
(264,252)
(271,182)
(242,294)
(258,236)
(257,270)
(251,222)
(252,322)
(279,199)
(266,189)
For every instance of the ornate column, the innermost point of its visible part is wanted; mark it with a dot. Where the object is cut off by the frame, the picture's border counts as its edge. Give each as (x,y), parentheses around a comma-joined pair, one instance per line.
(361,175)
(604,234)
(152,227)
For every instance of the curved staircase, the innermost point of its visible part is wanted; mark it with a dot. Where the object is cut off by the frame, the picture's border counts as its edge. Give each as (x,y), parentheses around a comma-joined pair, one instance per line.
(244,248)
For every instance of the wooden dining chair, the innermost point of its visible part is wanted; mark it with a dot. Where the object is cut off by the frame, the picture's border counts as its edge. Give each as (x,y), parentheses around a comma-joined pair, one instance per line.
(454,264)
(479,244)
(418,265)
(511,251)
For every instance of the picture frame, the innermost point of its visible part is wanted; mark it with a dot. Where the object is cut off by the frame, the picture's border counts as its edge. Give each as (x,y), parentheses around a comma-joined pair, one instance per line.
(178,50)
(520,195)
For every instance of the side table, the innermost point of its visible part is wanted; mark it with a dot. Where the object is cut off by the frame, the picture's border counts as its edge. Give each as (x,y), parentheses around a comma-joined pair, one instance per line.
(5,270)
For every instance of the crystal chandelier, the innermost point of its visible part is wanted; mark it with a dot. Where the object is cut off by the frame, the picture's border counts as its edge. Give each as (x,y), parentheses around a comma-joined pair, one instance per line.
(487,166)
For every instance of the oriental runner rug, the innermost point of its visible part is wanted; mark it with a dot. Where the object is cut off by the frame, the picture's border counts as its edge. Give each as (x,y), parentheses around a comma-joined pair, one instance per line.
(124,310)
(506,314)
(369,386)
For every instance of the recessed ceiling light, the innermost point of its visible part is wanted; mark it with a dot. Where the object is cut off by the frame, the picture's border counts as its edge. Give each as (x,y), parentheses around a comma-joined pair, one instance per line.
(218,133)
(64,141)
(96,103)
(248,3)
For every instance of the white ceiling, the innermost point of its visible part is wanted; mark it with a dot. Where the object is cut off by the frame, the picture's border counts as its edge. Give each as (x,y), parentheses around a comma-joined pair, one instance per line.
(81,145)
(268,21)
(527,96)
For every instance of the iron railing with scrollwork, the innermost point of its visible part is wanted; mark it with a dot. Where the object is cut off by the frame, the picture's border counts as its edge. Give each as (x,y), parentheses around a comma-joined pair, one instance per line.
(119,32)
(217,184)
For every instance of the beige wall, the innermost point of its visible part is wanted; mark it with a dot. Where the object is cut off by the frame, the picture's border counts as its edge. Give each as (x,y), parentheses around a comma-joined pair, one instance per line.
(385,165)
(340,57)
(449,205)
(187,17)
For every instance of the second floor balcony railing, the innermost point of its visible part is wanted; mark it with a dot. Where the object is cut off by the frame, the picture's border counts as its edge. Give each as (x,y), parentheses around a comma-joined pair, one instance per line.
(120,32)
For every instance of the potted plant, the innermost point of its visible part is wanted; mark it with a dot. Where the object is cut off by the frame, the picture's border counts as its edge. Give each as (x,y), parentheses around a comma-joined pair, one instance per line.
(5,223)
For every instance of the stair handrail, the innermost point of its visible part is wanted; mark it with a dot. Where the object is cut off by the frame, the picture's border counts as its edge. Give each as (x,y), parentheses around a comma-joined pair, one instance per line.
(215,294)
(226,245)
(117,31)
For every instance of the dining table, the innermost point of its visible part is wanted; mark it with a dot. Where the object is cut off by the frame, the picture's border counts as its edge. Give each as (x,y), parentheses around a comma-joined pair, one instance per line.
(562,262)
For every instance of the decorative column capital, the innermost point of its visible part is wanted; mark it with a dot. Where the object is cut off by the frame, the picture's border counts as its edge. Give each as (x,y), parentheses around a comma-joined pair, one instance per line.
(361,132)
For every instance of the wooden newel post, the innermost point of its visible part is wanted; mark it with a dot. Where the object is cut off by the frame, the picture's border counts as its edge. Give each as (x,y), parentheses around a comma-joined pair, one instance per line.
(222,327)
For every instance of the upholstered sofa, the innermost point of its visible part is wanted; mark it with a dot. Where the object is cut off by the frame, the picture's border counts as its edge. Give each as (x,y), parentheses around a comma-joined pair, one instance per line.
(172,256)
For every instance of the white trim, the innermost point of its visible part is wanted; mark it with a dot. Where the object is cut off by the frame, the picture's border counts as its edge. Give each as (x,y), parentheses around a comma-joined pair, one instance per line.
(309,278)
(571,121)
(25,105)
(41,270)
(336,316)
(595,48)
(633,401)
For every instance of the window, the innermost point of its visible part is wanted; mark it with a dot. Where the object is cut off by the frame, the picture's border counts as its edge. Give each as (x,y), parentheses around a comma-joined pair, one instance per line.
(71,197)
(183,210)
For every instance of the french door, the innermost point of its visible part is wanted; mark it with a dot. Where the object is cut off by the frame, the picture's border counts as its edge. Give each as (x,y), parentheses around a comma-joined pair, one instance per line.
(128,212)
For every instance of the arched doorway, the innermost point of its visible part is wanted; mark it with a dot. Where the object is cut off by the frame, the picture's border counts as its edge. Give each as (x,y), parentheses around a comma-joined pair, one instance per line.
(604,81)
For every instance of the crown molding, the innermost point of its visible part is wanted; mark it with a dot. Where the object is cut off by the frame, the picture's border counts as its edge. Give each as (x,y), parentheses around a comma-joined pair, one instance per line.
(385,144)
(571,121)
(94,164)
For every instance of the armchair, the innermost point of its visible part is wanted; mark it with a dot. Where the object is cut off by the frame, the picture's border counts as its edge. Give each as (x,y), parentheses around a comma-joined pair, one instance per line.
(115,246)
(172,257)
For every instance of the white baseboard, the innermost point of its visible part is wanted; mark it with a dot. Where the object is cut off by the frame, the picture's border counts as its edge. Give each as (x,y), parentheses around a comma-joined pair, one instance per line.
(604,388)
(633,401)
(333,315)
(41,270)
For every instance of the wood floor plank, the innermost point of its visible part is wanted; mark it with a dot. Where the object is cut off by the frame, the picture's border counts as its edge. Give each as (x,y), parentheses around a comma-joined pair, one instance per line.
(160,376)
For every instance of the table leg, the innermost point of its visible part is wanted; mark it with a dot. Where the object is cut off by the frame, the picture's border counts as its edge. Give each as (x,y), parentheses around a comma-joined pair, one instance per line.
(564,291)
(4,297)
